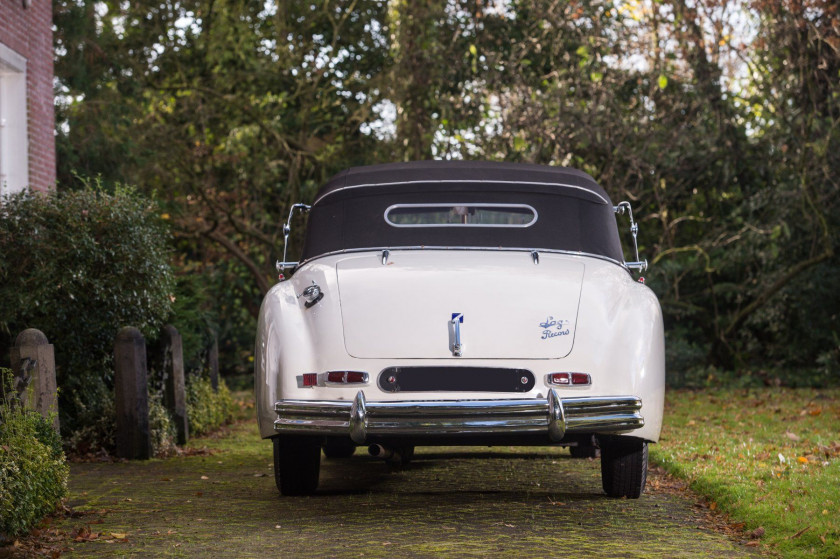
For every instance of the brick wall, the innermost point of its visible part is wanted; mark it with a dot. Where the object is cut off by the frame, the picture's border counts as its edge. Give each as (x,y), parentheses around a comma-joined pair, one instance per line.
(28,31)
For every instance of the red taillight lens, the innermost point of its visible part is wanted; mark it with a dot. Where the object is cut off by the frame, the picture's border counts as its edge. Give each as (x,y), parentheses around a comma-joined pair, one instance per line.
(566,379)
(310,379)
(560,378)
(335,376)
(581,378)
(347,377)
(353,376)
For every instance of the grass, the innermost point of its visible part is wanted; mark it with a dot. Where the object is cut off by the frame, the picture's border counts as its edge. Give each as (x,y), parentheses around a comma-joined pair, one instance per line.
(770,458)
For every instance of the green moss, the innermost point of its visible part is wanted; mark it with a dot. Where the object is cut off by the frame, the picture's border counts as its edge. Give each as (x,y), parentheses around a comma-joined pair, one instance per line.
(465,502)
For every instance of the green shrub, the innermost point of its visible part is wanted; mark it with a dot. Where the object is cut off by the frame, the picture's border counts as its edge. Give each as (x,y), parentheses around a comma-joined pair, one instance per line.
(161,428)
(79,266)
(33,471)
(208,410)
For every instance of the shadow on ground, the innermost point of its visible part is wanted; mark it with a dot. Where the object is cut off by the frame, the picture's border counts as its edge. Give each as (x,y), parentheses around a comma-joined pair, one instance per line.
(466,502)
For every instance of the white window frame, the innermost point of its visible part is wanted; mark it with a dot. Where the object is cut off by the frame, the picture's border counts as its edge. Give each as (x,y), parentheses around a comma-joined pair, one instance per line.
(14,133)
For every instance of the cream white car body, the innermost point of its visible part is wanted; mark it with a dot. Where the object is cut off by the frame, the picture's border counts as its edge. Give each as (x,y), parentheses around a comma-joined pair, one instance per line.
(420,316)
(372,318)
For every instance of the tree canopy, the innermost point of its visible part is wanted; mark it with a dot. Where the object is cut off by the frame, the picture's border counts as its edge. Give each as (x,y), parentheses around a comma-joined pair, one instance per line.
(719,120)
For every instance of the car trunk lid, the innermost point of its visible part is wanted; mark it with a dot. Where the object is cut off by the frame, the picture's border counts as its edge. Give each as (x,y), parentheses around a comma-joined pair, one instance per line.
(505,305)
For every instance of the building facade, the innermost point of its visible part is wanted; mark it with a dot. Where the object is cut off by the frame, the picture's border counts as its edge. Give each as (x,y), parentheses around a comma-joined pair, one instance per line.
(27,117)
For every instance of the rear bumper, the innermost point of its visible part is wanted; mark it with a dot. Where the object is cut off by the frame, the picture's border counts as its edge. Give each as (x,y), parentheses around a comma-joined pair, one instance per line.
(553,416)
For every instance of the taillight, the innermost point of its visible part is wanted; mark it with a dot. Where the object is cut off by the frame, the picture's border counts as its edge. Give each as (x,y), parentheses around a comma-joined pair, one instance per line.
(347,377)
(581,378)
(560,378)
(332,378)
(569,379)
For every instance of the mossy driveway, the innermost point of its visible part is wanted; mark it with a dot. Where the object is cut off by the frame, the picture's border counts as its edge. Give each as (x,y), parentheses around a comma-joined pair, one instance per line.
(536,502)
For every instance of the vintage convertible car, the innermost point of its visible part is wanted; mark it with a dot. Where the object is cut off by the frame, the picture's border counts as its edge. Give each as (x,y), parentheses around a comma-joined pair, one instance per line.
(460,303)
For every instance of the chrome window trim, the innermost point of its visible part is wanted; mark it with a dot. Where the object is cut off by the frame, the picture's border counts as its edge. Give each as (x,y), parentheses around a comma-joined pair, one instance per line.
(533,211)
(462,181)
(391,249)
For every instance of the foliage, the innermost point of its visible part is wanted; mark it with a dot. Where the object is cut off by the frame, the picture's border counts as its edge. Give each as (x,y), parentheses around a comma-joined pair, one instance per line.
(161,428)
(725,140)
(33,471)
(769,458)
(96,420)
(207,409)
(78,266)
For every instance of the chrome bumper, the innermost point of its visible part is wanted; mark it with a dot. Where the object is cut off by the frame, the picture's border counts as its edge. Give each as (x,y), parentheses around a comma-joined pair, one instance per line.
(553,415)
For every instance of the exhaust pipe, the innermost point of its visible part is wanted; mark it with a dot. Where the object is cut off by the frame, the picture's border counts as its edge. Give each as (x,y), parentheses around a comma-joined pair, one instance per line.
(379,451)
(391,455)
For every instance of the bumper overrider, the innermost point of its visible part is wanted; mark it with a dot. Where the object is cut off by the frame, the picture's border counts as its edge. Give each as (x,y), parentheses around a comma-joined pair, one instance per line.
(553,416)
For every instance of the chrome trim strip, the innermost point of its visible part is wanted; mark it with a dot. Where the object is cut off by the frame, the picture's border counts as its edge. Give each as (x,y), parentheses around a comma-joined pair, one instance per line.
(486,249)
(534,213)
(461,181)
(552,415)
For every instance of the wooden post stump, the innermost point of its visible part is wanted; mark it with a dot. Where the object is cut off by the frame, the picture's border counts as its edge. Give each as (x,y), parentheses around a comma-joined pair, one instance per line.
(175,395)
(131,395)
(34,356)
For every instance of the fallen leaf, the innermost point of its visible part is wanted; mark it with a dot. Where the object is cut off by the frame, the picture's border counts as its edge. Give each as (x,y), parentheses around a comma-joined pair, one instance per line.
(757,533)
(792,436)
(118,535)
(712,505)
(822,539)
(204,477)
(802,460)
(753,543)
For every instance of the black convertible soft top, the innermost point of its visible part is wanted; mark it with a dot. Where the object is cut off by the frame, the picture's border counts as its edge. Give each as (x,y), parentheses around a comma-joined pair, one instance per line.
(574,213)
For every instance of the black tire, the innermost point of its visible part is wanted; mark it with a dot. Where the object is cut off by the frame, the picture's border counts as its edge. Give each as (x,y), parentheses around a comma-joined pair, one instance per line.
(407,454)
(624,466)
(297,463)
(584,452)
(337,447)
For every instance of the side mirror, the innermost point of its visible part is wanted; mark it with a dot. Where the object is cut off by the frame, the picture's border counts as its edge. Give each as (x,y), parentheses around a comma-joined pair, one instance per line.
(640,265)
(287,229)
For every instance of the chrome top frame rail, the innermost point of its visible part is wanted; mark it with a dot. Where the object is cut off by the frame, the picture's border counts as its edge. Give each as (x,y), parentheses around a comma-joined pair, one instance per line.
(553,416)
(287,228)
(640,265)
(392,249)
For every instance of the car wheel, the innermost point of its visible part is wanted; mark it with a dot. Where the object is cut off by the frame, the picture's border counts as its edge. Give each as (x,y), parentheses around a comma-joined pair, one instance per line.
(624,466)
(297,463)
(407,454)
(584,452)
(336,447)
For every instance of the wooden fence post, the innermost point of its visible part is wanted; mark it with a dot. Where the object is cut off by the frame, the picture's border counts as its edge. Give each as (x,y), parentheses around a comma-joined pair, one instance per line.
(131,397)
(175,397)
(33,355)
